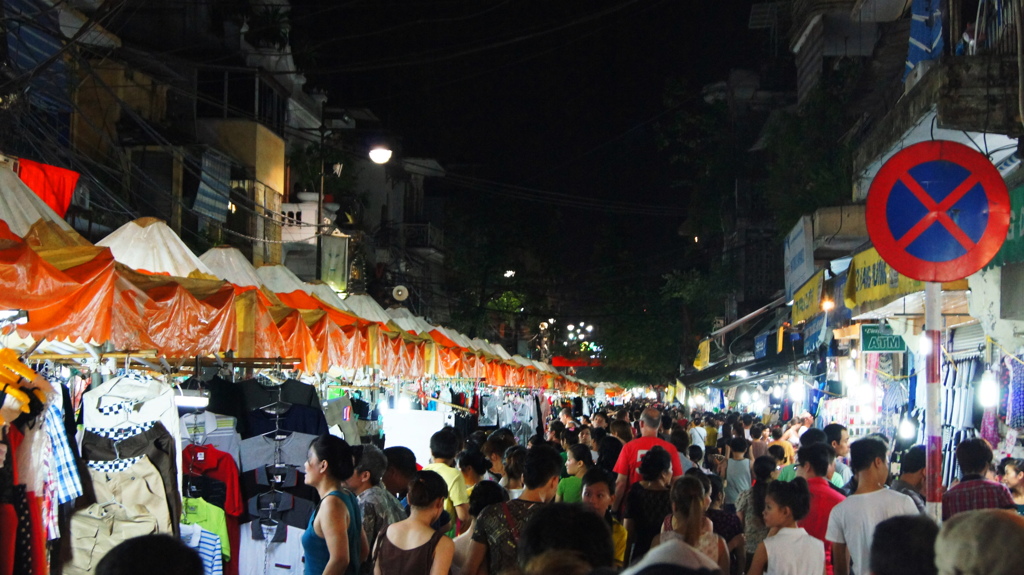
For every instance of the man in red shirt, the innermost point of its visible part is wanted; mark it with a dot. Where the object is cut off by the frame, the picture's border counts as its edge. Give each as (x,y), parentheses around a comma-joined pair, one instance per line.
(628,464)
(817,461)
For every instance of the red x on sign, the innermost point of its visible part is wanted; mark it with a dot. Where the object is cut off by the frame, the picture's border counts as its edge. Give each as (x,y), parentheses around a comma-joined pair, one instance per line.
(938,211)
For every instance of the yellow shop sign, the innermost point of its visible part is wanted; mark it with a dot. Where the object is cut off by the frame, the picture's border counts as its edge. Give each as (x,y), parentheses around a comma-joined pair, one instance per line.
(807,299)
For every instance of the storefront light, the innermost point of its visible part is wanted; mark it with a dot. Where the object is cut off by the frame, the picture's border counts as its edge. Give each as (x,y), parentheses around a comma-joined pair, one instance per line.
(757,407)
(924,344)
(907,429)
(797,392)
(776,391)
(988,390)
(745,398)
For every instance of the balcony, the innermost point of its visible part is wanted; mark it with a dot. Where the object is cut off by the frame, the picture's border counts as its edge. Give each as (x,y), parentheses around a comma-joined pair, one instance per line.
(423,237)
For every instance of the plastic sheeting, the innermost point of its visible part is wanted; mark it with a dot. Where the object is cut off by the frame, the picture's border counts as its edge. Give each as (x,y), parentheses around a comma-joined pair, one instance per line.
(22,209)
(229,264)
(147,245)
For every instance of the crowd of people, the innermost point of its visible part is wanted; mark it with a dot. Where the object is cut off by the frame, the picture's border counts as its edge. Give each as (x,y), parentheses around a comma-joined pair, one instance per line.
(642,490)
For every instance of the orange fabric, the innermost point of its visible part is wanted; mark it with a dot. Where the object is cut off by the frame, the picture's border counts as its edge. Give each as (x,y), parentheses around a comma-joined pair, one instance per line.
(72,304)
(299,342)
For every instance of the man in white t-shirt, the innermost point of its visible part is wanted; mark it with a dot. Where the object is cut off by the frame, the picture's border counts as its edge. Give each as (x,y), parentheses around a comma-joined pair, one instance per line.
(698,435)
(852,523)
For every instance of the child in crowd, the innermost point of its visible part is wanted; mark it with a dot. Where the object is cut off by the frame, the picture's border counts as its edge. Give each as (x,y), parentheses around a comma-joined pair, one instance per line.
(790,551)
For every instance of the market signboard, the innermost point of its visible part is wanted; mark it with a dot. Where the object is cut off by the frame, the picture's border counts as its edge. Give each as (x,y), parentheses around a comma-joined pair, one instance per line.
(871,279)
(798,255)
(815,334)
(807,300)
(879,338)
(761,346)
(1013,248)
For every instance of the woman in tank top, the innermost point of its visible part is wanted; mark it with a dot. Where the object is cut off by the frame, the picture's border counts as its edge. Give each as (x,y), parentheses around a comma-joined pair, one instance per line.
(411,546)
(334,541)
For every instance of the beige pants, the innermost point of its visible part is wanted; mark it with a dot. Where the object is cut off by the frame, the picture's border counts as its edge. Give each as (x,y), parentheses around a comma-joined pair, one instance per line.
(141,484)
(97,529)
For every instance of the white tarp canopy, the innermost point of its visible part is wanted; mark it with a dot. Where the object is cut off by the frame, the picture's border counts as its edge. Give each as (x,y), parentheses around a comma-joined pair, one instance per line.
(325,294)
(20,207)
(405,319)
(280,279)
(149,245)
(365,307)
(229,264)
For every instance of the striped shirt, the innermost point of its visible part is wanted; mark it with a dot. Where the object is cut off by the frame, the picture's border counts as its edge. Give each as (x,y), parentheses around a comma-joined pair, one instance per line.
(207,545)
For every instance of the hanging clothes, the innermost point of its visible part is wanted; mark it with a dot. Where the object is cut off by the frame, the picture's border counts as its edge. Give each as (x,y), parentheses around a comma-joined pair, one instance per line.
(1015,400)
(209,428)
(55,186)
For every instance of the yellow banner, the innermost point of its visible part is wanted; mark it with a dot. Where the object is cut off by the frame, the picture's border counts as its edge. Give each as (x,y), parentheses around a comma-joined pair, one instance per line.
(807,299)
(871,279)
(703,355)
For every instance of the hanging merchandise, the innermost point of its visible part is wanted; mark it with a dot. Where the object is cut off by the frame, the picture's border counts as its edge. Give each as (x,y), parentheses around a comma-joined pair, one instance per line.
(55,186)
(1015,400)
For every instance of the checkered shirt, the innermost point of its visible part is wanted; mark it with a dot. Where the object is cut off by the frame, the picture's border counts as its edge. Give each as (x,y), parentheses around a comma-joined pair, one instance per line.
(975,493)
(62,468)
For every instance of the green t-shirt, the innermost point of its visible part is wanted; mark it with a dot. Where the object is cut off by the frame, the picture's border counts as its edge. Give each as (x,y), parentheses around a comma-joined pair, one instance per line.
(196,511)
(570,489)
(788,473)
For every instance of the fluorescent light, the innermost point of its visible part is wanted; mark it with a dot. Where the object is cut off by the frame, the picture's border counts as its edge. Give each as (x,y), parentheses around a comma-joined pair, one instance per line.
(193,401)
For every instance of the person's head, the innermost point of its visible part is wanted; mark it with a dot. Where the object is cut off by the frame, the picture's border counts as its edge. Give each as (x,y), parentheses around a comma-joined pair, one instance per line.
(427,492)
(717,490)
(584,436)
(608,452)
(401,467)
(778,452)
(680,439)
(904,545)
(555,429)
(689,500)
(494,450)
(812,436)
(137,555)
(695,453)
(867,459)
(1013,476)
(766,468)
(565,416)
(776,433)
(542,471)
(974,456)
(578,459)
(655,464)
(985,542)
(619,428)
(650,423)
(444,444)
(598,490)
(806,419)
(912,466)
(485,493)
(757,431)
(535,439)
(600,420)
(370,465)
(596,435)
(569,438)
(839,438)
(816,460)
(329,459)
(570,529)
(787,502)
(748,421)
(515,462)
(738,444)
(473,465)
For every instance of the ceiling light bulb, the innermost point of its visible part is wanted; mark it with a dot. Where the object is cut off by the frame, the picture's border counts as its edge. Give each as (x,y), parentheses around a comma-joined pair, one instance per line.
(797,392)
(380,155)
(745,398)
(907,429)
(988,390)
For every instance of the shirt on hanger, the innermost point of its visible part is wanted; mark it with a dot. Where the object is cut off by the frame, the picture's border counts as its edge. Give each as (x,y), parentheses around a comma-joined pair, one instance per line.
(214,463)
(270,549)
(209,517)
(265,450)
(211,490)
(207,545)
(285,478)
(256,395)
(208,428)
(301,418)
(281,507)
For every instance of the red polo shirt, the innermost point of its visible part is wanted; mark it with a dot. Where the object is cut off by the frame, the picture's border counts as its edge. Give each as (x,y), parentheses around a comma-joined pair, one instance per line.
(823,499)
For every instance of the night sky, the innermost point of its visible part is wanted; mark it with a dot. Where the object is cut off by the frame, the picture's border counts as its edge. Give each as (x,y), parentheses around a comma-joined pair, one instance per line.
(558,96)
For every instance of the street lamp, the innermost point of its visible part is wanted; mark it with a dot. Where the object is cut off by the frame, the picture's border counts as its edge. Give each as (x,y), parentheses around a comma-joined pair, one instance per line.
(380,155)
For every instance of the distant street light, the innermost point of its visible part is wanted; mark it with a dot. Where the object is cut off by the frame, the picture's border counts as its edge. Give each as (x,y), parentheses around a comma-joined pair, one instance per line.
(380,155)
(510,274)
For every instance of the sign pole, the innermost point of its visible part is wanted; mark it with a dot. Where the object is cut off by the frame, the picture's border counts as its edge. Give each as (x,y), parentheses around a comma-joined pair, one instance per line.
(933,433)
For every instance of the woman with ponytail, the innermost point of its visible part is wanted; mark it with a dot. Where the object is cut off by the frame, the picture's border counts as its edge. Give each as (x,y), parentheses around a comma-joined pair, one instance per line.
(689,502)
(750,504)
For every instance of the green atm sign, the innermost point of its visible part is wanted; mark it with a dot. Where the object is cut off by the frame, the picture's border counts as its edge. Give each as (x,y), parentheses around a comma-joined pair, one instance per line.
(878,338)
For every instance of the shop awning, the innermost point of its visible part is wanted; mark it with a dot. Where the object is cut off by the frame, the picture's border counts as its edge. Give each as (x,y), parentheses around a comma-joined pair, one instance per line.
(752,315)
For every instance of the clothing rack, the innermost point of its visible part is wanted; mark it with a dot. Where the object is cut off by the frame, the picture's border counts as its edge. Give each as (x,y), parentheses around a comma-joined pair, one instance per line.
(438,401)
